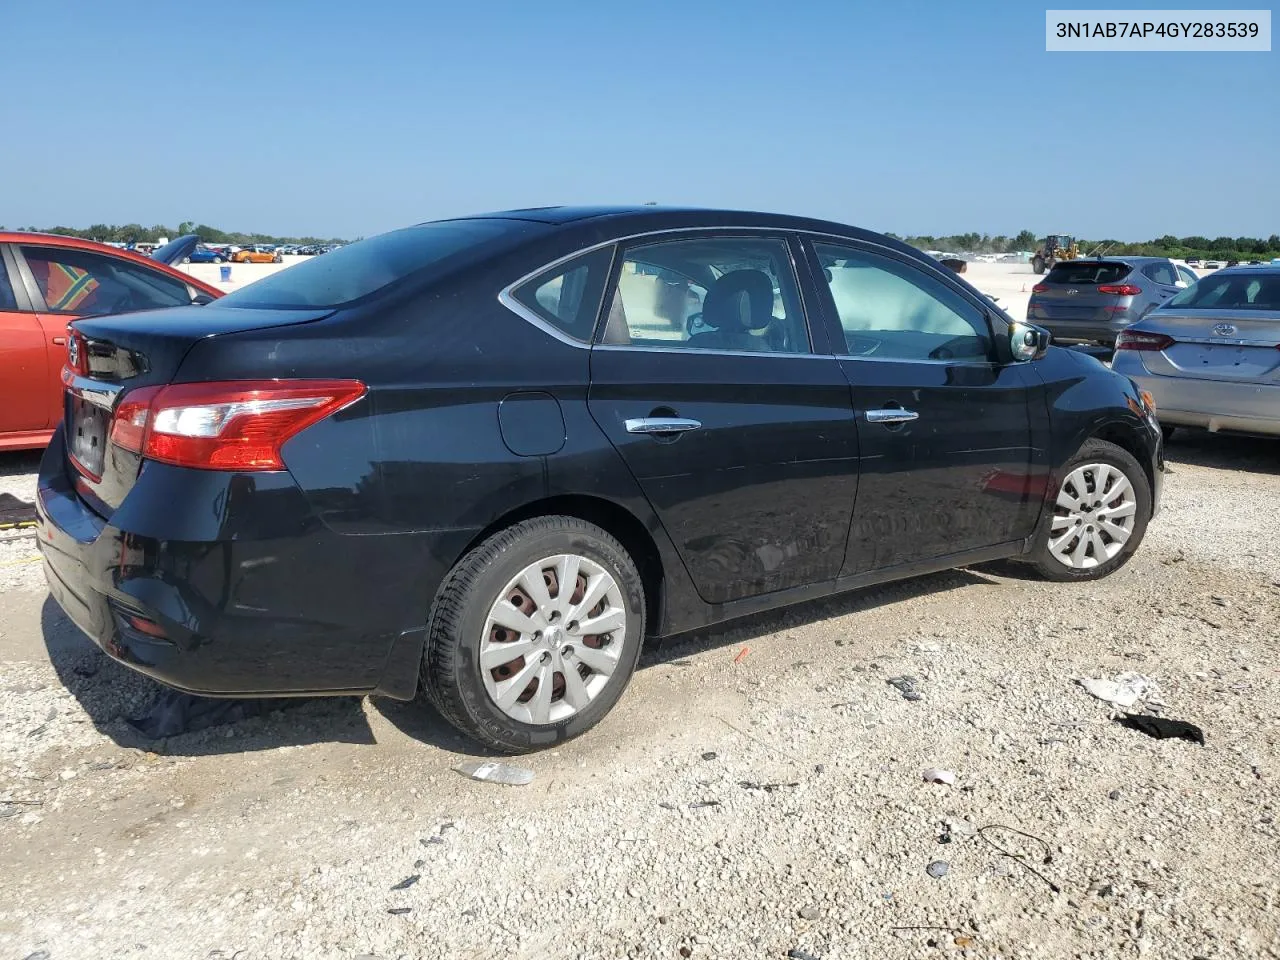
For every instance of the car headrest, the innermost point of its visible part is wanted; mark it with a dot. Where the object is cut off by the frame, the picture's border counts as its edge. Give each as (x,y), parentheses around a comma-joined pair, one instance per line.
(739,300)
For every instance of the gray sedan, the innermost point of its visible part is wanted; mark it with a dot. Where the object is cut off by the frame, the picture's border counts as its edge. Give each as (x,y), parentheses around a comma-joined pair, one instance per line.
(1210,357)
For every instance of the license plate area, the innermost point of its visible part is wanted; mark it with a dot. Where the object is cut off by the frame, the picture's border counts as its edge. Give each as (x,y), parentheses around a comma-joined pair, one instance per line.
(87,437)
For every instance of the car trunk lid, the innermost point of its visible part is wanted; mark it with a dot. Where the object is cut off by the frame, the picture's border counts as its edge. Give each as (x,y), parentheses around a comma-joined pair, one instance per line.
(110,357)
(1216,344)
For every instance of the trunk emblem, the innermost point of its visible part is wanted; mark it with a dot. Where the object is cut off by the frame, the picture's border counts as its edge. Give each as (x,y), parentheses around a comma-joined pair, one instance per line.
(1072,292)
(1224,329)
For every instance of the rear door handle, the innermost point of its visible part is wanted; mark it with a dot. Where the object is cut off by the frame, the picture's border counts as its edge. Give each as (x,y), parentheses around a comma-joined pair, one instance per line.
(661,425)
(891,415)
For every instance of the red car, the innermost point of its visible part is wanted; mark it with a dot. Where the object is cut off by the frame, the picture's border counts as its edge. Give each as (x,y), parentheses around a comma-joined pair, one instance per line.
(46,281)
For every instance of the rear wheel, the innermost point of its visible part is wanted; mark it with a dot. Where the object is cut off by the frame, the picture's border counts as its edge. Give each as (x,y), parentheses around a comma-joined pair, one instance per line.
(1098,517)
(535,634)
(1037,264)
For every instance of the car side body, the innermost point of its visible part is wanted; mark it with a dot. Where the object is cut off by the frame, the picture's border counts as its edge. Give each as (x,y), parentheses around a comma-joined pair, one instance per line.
(806,473)
(46,281)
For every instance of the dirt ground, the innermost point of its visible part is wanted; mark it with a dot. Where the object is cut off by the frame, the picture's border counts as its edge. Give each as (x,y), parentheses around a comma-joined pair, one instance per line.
(757,793)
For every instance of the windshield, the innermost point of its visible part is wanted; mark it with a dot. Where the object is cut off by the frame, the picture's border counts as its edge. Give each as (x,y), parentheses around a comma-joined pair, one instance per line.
(360,269)
(1241,291)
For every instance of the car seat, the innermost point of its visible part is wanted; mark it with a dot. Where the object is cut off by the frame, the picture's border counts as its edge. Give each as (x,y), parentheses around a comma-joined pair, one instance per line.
(739,304)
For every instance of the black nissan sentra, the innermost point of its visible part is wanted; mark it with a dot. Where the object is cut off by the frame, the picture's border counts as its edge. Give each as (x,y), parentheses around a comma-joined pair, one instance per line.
(489,457)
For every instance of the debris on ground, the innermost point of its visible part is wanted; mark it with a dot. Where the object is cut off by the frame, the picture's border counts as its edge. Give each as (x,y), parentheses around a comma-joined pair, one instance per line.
(796,954)
(906,686)
(399,911)
(173,713)
(709,755)
(936,775)
(742,655)
(938,869)
(1124,691)
(1162,728)
(766,787)
(407,882)
(491,771)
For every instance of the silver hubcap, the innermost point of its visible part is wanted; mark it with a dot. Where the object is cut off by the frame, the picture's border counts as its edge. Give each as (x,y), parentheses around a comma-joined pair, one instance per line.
(552,639)
(1093,517)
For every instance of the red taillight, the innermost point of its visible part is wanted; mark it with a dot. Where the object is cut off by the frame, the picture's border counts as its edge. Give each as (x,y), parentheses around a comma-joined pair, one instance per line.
(1040,288)
(129,425)
(1120,289)
(1137,340)
(77,352)
(234,425)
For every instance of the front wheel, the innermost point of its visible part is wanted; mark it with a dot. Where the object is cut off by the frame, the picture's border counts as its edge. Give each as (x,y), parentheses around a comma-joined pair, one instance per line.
(217,259)
(1098,517)
(1037,264)
(534,634)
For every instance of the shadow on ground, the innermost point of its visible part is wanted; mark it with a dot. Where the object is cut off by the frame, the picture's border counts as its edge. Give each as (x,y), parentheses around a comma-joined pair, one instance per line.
(135,711)
(1223,452)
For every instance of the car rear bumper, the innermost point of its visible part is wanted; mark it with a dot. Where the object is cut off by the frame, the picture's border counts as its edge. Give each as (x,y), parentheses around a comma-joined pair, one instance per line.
(299,611)
(1212,404)
(1066,330)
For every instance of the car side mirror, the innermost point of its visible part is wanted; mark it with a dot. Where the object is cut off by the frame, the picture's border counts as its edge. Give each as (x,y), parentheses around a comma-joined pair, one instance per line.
(1027,341)
(200,299)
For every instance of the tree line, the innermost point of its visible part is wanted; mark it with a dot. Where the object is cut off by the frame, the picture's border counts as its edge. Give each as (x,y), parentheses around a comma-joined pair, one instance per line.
(136,233)
(1179,248)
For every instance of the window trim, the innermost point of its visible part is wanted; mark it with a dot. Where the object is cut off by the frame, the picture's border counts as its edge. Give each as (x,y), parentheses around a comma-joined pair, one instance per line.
(800,241)
(996,355)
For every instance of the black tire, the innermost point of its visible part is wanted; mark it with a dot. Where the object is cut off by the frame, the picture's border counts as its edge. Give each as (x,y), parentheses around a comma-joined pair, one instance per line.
(1037,264)
(186,259)
(451,677)
(1094,451)
(1168,431)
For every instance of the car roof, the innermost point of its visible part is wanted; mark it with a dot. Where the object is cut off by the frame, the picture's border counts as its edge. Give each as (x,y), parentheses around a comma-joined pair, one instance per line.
(638,219)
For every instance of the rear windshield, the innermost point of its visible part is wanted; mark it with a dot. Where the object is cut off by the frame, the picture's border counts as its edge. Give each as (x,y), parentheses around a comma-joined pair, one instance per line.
(1255,290)
(1088,273)
(359,269)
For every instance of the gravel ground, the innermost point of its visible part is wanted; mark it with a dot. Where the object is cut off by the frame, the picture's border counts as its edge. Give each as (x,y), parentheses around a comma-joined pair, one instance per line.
(734,805)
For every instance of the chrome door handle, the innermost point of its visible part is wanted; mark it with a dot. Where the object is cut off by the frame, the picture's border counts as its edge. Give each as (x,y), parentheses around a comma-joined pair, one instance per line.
(891,415)
(661,425)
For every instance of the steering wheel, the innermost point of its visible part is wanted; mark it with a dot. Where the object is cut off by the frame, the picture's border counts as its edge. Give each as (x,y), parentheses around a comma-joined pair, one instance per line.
(694,324)
(862,346)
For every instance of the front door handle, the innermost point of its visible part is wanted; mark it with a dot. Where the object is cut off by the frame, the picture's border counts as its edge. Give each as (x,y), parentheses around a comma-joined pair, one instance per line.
(59,341)
(891,415)
(661,425)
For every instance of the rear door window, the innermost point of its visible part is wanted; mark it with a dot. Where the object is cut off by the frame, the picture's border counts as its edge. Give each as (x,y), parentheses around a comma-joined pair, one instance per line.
(84,283)
(1088,273)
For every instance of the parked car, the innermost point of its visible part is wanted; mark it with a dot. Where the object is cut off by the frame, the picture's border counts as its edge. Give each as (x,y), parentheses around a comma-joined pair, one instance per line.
(203,254)
(46,281)
(1211,356)
(1093,300)
(1193,261)
(256,254)
(496,454)
(1213,264)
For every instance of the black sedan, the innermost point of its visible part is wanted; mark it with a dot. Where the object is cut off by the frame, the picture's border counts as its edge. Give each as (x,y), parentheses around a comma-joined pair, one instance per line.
(489,457)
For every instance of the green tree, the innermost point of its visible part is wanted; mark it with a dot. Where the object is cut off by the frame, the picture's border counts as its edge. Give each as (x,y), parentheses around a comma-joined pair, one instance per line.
(1025,240)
